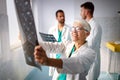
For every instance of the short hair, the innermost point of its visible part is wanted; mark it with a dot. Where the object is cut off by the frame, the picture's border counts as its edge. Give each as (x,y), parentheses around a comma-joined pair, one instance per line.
(88,5)
(84,24)
(60,10)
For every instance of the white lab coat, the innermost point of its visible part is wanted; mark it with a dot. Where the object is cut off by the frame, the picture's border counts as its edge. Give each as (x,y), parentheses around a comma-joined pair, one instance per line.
(65,36)
(65,32)
(76,67)
(94,41)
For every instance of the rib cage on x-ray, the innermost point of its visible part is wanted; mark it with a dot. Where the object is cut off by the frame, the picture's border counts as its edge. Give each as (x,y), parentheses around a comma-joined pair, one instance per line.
(27,30)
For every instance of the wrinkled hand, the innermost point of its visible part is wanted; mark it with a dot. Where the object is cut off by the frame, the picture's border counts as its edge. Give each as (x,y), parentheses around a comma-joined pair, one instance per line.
(40,55)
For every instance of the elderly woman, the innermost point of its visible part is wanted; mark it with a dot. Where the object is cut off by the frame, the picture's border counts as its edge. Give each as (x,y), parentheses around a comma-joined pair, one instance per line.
(77,59)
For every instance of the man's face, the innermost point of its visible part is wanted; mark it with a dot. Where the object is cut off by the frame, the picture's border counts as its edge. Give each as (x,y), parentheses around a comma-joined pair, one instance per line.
(83,13)
(60,17)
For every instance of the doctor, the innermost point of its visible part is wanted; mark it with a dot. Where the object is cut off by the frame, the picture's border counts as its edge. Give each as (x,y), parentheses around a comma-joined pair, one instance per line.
(78,58)
(61,32)
(94,39)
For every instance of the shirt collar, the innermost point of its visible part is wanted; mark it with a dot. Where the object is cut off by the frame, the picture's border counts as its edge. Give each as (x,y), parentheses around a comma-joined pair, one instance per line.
(83,46)
(90,20)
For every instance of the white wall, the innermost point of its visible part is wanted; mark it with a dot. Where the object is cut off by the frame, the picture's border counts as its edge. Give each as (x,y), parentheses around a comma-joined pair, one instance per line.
(3,7)
(47,9)
(4,31)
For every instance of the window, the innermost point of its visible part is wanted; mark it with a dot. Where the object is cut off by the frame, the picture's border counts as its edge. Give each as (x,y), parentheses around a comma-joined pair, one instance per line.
(13,25)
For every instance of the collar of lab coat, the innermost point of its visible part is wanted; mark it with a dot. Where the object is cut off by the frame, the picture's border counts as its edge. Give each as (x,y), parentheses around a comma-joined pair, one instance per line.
(90,20)
(82,47)
(63,31)
(76,52)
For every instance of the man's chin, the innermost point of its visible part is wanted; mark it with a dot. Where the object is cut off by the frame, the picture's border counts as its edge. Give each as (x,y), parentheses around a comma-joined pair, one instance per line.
(62,22)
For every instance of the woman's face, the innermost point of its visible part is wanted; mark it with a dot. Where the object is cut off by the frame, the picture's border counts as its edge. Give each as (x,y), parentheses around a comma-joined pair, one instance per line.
(78,33)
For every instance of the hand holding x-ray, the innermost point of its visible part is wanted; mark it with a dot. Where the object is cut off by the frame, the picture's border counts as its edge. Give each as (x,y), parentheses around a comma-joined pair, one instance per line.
(40,55)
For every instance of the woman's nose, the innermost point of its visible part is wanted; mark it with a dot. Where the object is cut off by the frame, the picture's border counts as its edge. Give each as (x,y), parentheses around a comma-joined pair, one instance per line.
(74,30)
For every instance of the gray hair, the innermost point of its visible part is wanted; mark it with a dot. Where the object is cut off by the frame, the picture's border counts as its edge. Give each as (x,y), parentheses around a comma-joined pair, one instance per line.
(84,24)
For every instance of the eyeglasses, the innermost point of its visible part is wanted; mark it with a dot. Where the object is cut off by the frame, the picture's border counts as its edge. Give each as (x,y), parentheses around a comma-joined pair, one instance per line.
(78,29)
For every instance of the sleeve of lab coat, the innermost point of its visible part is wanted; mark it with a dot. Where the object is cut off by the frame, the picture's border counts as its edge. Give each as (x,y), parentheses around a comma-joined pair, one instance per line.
(55,47)
(78,64)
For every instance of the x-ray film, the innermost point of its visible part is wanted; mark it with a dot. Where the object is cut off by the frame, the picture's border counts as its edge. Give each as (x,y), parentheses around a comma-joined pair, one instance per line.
(27,30)
(47,37)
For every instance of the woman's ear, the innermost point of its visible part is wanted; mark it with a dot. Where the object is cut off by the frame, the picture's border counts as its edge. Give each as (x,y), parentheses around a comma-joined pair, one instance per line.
(87,33)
